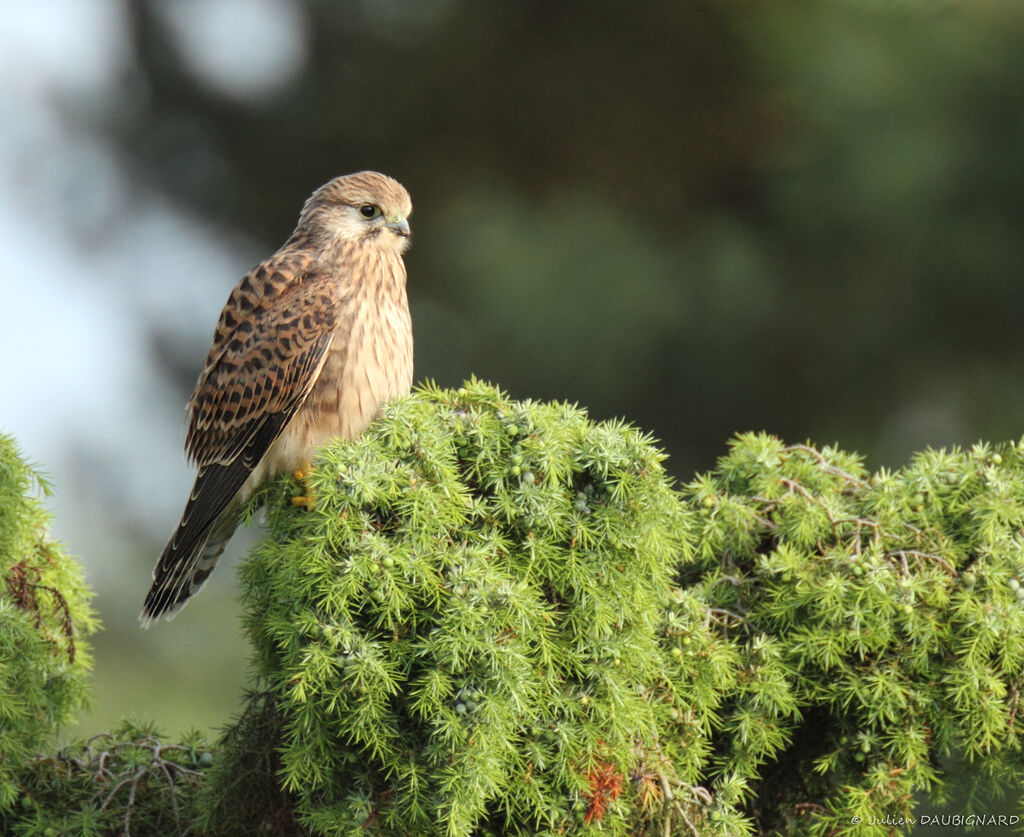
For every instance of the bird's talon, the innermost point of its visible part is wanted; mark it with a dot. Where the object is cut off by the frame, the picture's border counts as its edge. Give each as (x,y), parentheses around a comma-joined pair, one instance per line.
(303,473)
(305,500)
(304,470)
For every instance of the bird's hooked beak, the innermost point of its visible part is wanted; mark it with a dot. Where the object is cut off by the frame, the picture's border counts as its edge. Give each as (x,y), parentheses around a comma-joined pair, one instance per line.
(399,226)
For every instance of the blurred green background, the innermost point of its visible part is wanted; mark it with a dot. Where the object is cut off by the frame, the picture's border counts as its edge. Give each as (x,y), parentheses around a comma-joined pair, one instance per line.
(706,216)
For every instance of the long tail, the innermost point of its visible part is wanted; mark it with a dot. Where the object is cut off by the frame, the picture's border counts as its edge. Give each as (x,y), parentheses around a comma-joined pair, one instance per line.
(181,573)
(210,518)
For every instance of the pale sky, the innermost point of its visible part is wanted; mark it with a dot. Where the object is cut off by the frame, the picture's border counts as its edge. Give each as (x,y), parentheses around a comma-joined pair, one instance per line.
(92,260)
(89,254)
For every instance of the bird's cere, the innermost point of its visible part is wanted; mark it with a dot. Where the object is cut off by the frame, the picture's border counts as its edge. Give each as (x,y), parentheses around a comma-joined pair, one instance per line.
(399,225)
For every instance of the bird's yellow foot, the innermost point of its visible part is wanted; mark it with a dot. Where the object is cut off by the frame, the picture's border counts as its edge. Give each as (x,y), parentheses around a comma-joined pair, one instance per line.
(302,474)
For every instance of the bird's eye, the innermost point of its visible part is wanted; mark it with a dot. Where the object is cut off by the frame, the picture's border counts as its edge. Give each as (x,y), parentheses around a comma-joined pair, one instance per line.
(368,210)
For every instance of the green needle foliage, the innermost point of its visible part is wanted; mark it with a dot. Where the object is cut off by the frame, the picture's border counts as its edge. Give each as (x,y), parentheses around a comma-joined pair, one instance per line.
(876,626)
(461,635)
(44,619)
(500,617)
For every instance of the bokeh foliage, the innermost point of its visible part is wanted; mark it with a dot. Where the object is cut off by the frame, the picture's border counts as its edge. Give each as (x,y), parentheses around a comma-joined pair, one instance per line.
(700,216)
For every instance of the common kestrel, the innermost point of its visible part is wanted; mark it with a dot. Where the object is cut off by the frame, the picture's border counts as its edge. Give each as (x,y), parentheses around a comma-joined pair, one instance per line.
(309,345)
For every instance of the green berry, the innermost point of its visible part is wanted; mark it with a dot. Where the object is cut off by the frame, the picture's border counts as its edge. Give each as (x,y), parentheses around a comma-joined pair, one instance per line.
(1014,584)
(206,759)
(387,561)
(677,652)
(997,459)
(529,478)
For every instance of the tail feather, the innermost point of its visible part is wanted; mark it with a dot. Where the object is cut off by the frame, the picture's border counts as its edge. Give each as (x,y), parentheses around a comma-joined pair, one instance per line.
(181,573)
(211,516)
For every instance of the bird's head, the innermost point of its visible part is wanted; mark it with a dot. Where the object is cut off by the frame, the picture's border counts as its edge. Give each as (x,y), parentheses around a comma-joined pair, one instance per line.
(367,206)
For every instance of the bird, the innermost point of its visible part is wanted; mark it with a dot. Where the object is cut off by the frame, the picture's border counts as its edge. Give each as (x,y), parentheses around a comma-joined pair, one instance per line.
(309,346)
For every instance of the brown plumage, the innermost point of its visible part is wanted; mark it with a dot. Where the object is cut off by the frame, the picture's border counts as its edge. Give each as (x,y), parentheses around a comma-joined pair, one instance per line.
(308,346)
